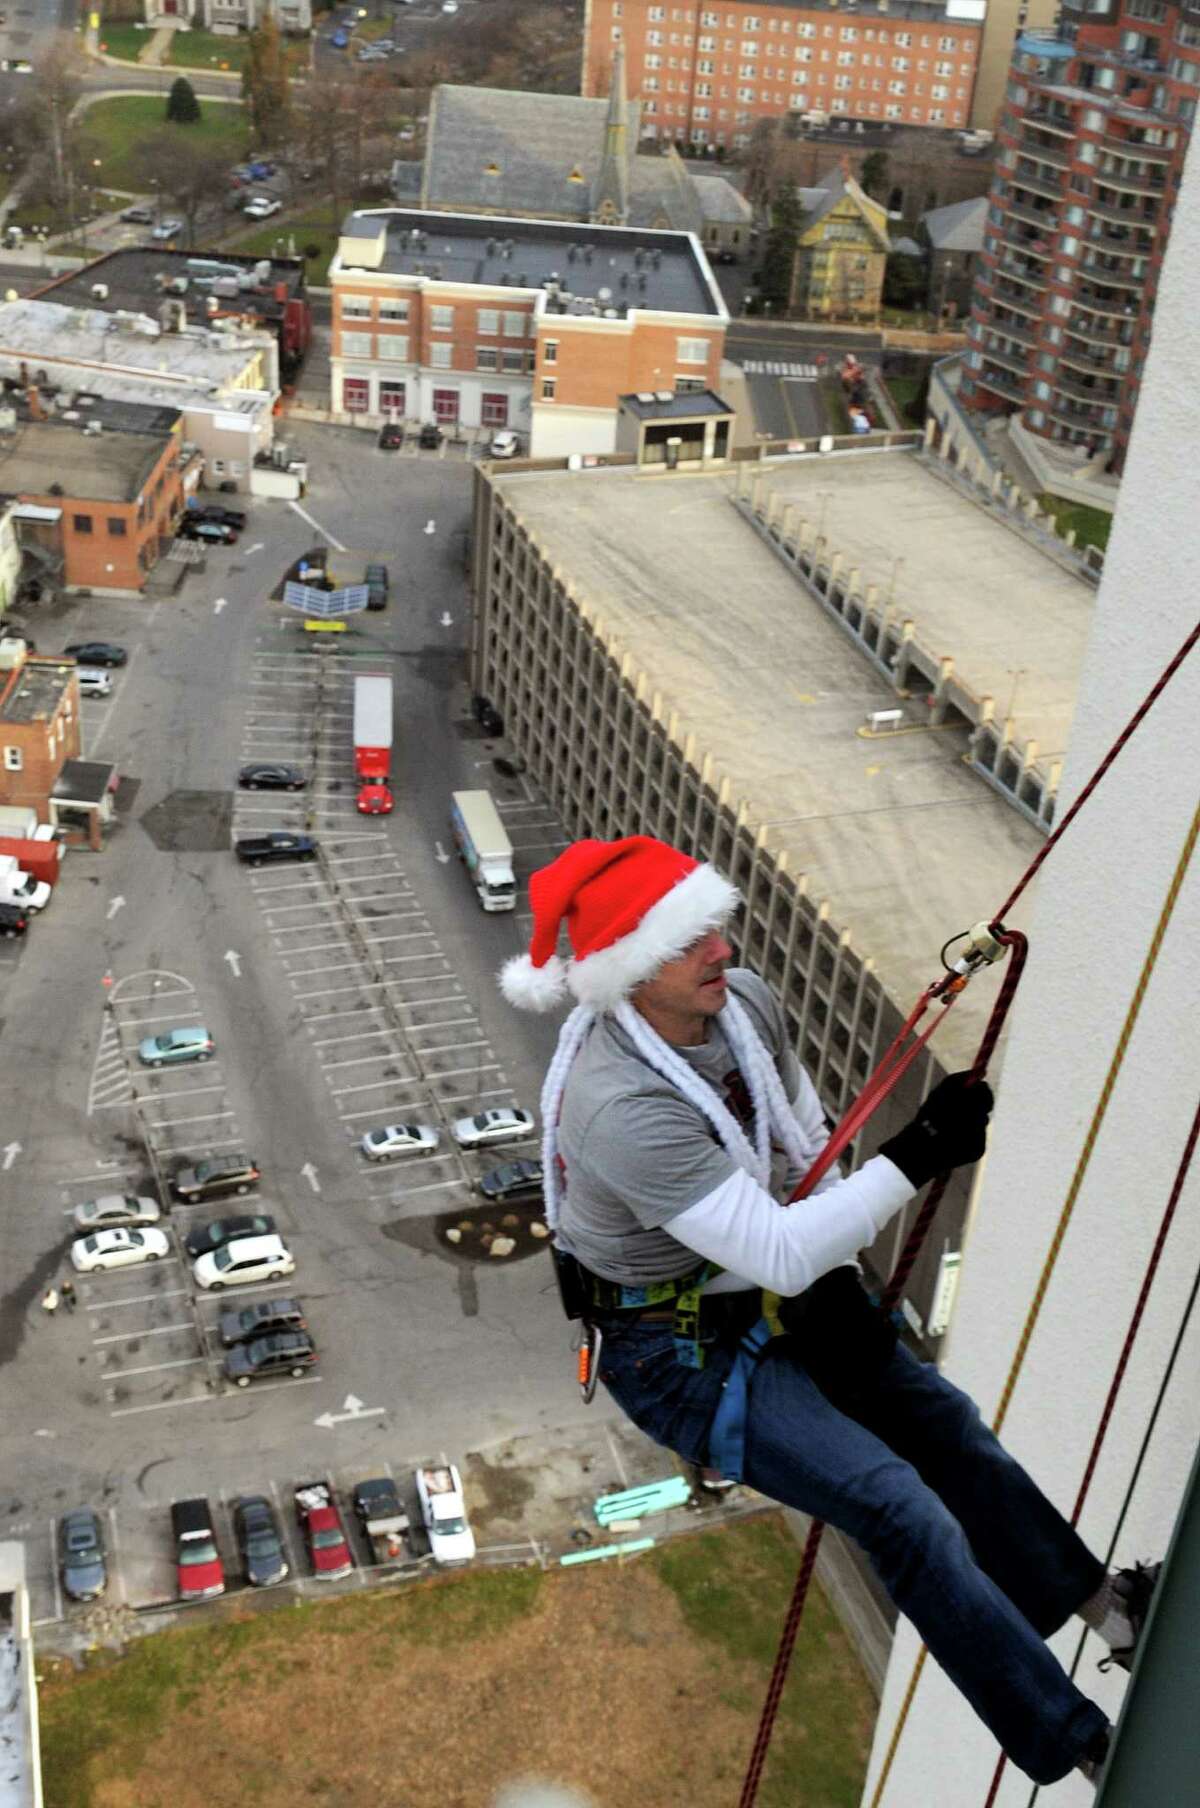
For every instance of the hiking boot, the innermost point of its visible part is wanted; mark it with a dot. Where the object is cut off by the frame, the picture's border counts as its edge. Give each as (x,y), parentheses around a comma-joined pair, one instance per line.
(1136,1590)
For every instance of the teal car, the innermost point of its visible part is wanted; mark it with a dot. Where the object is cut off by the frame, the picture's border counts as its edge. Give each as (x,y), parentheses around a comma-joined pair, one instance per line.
(174,1046)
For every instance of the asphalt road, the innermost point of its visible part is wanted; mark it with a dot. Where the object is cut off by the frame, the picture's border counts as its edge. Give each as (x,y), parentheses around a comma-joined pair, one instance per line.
(114,1405)
(783,365)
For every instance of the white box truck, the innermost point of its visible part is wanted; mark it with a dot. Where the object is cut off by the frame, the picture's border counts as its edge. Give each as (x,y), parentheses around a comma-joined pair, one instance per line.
(18,887)
(485,848)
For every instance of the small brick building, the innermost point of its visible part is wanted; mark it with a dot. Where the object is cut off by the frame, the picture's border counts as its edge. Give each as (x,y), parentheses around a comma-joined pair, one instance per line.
(39,727)
(107,485)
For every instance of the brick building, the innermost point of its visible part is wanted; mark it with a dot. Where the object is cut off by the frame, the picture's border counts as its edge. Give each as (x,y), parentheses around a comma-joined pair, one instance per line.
(105,488)
(518,323)
(707,75)
(39,728)
(1093,142)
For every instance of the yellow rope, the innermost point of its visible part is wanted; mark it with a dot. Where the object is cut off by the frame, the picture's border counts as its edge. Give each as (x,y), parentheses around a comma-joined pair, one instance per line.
(1064,1217)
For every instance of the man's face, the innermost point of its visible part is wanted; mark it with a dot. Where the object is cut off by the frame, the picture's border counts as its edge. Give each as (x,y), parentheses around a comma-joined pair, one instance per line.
(691,986)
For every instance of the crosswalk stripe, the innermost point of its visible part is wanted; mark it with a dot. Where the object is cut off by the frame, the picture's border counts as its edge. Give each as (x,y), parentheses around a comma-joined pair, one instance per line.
(774,367)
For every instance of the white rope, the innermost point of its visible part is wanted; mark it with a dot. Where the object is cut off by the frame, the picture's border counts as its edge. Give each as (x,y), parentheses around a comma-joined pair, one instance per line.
(570,1040)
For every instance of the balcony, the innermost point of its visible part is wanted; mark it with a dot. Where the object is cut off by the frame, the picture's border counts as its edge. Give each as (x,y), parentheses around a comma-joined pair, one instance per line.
(1122,216)
(1129,182)
(1024,273)
(1120,244)
(1029,146)
(1093,363)
(1109,307)
(1143,153)
(1081,326)
(1043,218)
(1000,381)
(1047,120)
(1034,182)
(1114,277)
(1014,297)
(1012,329)
(1080,420)
(1099,398)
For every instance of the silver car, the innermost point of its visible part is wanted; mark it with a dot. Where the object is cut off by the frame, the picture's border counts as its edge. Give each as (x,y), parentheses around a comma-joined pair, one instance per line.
(116,1209)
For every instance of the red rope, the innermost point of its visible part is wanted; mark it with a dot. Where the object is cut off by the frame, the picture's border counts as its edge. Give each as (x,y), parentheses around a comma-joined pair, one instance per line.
(1135,1323)
(881,1082)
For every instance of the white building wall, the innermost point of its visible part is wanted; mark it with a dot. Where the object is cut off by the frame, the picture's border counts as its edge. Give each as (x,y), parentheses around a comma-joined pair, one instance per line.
(1095,912)
(558,430)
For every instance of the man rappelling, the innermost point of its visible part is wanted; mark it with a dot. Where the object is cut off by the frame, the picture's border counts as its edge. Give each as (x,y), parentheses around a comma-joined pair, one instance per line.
(676,1119)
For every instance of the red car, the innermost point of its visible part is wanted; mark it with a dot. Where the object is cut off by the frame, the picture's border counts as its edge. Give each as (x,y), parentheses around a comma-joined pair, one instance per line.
(197,1560)
(328,1550)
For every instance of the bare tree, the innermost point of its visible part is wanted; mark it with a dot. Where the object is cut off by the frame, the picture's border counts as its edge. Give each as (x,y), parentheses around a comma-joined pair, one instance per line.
(183,172)
(55,87)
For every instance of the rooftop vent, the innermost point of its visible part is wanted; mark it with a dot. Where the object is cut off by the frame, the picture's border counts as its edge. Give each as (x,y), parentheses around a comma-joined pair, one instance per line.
(508,247)
(664,395)
(522,281)
(604,295)
(645,395)
(641,282)
(262,270)
(572,253)
(491,248)
(657,259)
(639,258)
(93,428)
(99,291)
(587,254)
(624,279)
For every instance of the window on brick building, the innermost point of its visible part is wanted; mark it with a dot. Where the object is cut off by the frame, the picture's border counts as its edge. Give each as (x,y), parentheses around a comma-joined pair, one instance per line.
(548,388)
(486,357)
(356,345)
(356,395)
(550,351)
(14,759)
(392,398)
(441,319)
(393,310)
(392,347)
(439,357)
(118,527)
(516,326)
(82,523)
(513,363)
(356,307)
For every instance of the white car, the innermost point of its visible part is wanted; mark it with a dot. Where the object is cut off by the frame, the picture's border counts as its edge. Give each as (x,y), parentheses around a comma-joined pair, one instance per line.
(502,1124)
(93,682)
(504,444)
(261,207)
(116,1209)
(399,1139)
(449,6)
(169,228)
(118,1249)
(246,1259)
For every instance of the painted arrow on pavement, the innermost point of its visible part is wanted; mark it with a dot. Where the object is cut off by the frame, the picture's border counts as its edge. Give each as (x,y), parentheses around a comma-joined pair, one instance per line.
(114,905)
(235,962)
(257,547)
(439,853)
(430,528)
(218,604)
(310,1174)
(353,1408)
(11,1151)
(447,619)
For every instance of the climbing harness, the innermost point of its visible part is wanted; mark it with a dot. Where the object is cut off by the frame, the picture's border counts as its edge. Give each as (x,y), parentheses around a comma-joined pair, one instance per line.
(916,1236)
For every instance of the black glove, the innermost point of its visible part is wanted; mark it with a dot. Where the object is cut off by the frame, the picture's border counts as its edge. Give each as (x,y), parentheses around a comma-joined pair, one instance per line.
(948,1131)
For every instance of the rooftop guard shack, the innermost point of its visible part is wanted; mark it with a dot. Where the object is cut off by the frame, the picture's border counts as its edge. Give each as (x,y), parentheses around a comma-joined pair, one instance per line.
(662,427)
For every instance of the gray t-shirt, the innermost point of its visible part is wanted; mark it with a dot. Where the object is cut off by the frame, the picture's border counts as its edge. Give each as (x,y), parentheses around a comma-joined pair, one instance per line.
(636,1152)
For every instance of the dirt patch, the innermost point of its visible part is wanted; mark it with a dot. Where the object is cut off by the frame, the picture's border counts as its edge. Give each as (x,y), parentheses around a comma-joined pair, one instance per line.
(502,1490)
(635,1684)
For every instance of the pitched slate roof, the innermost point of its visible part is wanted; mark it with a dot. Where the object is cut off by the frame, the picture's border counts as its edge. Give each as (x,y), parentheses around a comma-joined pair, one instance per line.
(495,148)
(957,227)
(819,201)
(720,202)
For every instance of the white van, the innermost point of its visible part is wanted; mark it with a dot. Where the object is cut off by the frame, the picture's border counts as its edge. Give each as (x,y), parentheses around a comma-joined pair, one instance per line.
(19,821)
(94,681)
(17,887)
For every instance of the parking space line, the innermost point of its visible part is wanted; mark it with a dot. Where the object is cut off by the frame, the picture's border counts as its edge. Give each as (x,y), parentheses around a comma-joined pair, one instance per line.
(314,948)
(358,1061)
(127,1412)
(314,904)
(155,1331)
(435,1186)
(285,1530)
(152,1368)
(58,1603)
(160,1017)
(139,1299)
(172,1123)
(451,1073)
(342,1092)
(113,1173)
(424,1029)
(491,1092)
(269,1387)
(116,1550)
(406,1108)
(374,985)
(358,1036)
(328,967)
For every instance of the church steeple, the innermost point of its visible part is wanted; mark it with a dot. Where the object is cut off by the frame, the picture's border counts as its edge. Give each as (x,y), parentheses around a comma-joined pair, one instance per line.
(610,196)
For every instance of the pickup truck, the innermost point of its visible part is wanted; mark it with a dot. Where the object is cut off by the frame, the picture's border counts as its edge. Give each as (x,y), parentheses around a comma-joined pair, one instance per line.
(444,1514)
(383,1520)
(317,1513)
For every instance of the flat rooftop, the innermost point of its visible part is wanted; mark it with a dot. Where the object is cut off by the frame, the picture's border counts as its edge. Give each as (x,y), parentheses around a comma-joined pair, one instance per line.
(35,333)
(668,404)
(905,843)
(111,466)
(34,690)
(135,279)
(616,267)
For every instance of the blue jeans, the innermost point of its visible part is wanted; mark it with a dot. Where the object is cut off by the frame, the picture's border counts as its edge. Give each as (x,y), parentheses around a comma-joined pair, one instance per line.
(968,1548)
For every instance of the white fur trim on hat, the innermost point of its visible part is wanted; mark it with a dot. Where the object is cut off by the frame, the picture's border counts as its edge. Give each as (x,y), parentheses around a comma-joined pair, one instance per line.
(702,901)
(532,988)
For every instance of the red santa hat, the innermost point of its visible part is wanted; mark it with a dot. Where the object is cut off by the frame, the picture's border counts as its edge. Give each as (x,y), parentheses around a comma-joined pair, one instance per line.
(629,907)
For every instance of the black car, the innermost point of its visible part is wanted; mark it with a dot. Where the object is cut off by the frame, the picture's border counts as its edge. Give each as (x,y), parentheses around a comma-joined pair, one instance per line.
(220,1231)
(513,1180)
(259,1542)
(283,1353)
(376,579)
(215,1175)
(271,775)
(215,532)
(487,715)
(260,1320)
(97,652)
(138,216)
(391,437)
(216,511)
(13,920)
(81,1555)
(430,437)
(279,844)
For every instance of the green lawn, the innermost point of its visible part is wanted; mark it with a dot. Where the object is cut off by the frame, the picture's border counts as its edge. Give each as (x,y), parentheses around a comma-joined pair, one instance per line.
(271,237)
(382,1689)
(1092,525)
(833,398)
(118,125)
(904,392)
(207,50)
(124,41)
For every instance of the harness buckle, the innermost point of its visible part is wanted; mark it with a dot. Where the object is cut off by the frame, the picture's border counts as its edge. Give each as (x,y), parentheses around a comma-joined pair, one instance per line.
(591,1341)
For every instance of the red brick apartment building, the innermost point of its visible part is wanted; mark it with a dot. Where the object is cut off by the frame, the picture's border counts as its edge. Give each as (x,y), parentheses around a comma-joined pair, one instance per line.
(706,74)
(39,728)
(1093,140)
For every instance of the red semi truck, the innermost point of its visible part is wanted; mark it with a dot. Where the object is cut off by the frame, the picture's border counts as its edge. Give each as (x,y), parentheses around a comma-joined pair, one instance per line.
(373,743)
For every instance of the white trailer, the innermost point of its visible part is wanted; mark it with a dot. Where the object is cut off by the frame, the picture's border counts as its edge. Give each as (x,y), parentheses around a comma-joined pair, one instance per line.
(486,851)
(444,1513)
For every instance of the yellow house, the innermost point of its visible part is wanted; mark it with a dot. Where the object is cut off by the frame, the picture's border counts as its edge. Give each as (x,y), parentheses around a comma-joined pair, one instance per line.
(841,251)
